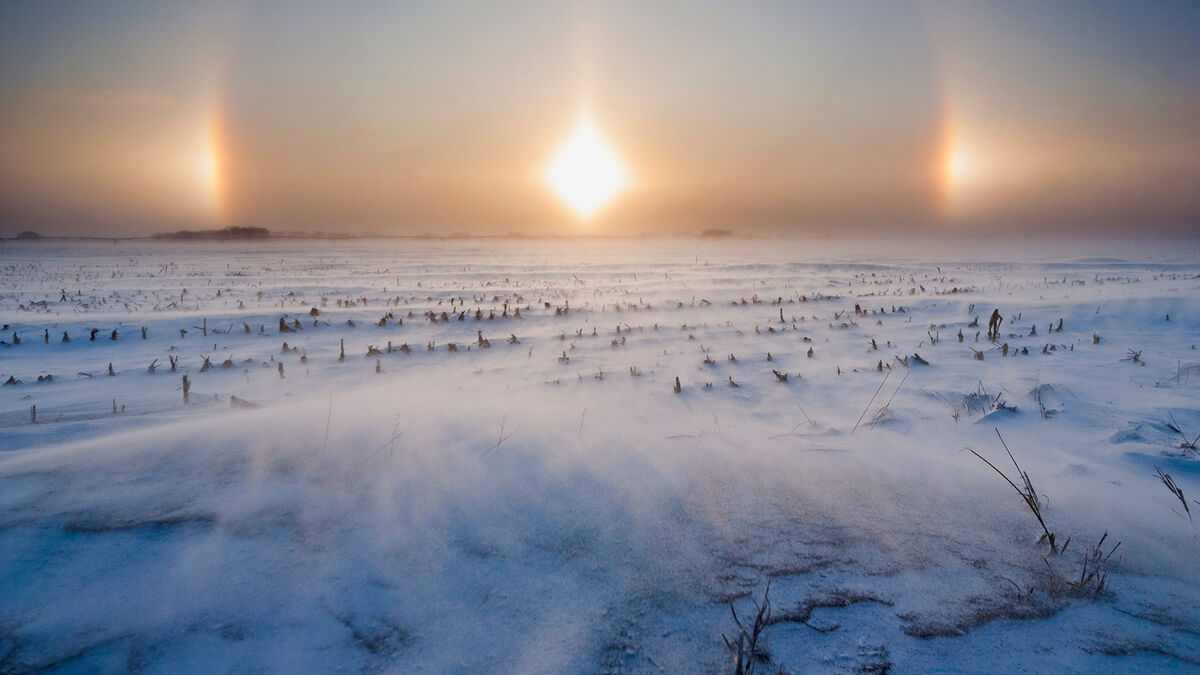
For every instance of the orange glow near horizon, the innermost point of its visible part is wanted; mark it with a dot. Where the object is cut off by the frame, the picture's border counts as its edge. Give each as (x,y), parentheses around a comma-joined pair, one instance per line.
(585,172)
(210,165)
(958,168)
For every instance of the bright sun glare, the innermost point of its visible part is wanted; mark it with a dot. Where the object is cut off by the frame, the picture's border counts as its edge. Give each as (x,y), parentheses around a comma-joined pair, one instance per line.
(958,167)
(586,172)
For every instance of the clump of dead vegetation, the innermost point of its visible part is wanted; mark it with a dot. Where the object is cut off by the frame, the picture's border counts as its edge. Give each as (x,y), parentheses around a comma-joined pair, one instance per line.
(1047,593)
(1042,394)
(980,402)
(1093,573)
(1134,357)
(744,648)
(1092,579)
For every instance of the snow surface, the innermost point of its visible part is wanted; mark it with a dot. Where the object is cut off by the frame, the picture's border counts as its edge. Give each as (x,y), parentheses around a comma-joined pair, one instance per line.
(506,509)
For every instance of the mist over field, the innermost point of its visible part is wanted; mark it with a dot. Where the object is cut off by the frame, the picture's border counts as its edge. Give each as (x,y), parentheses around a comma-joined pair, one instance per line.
(575,455)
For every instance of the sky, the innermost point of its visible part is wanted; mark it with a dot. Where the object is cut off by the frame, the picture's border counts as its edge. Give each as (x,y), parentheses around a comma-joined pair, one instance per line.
(125,118)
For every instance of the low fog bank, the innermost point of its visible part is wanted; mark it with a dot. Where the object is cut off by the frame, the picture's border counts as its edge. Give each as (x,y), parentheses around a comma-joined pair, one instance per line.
(946,245)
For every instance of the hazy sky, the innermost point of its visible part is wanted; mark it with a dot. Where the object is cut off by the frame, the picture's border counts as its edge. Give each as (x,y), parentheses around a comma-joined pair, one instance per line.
(442,117)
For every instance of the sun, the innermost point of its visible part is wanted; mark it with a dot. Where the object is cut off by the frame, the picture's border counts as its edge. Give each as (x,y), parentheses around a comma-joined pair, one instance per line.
(585,172)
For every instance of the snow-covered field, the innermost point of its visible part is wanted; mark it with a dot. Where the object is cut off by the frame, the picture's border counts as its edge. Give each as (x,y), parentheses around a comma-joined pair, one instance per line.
(549,503)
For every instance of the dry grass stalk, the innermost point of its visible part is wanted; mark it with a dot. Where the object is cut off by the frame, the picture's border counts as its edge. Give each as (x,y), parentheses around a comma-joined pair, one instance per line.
(1037,396)
(1185,444)
(744,648)
(877,390)
(883,412)
(503,437)
(1175,490)
(1028,493)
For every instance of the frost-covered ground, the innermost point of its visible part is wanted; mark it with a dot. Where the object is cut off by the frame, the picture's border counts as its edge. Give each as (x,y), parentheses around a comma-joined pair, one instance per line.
(553,505)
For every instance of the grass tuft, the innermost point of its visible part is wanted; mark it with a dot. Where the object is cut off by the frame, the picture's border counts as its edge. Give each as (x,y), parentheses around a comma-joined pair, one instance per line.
(1027,492)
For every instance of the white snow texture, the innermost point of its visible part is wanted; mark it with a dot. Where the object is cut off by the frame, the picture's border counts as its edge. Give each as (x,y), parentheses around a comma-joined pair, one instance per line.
(552,505)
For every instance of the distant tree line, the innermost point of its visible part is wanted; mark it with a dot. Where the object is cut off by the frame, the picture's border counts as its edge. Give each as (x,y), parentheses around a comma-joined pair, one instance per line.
(226,233)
